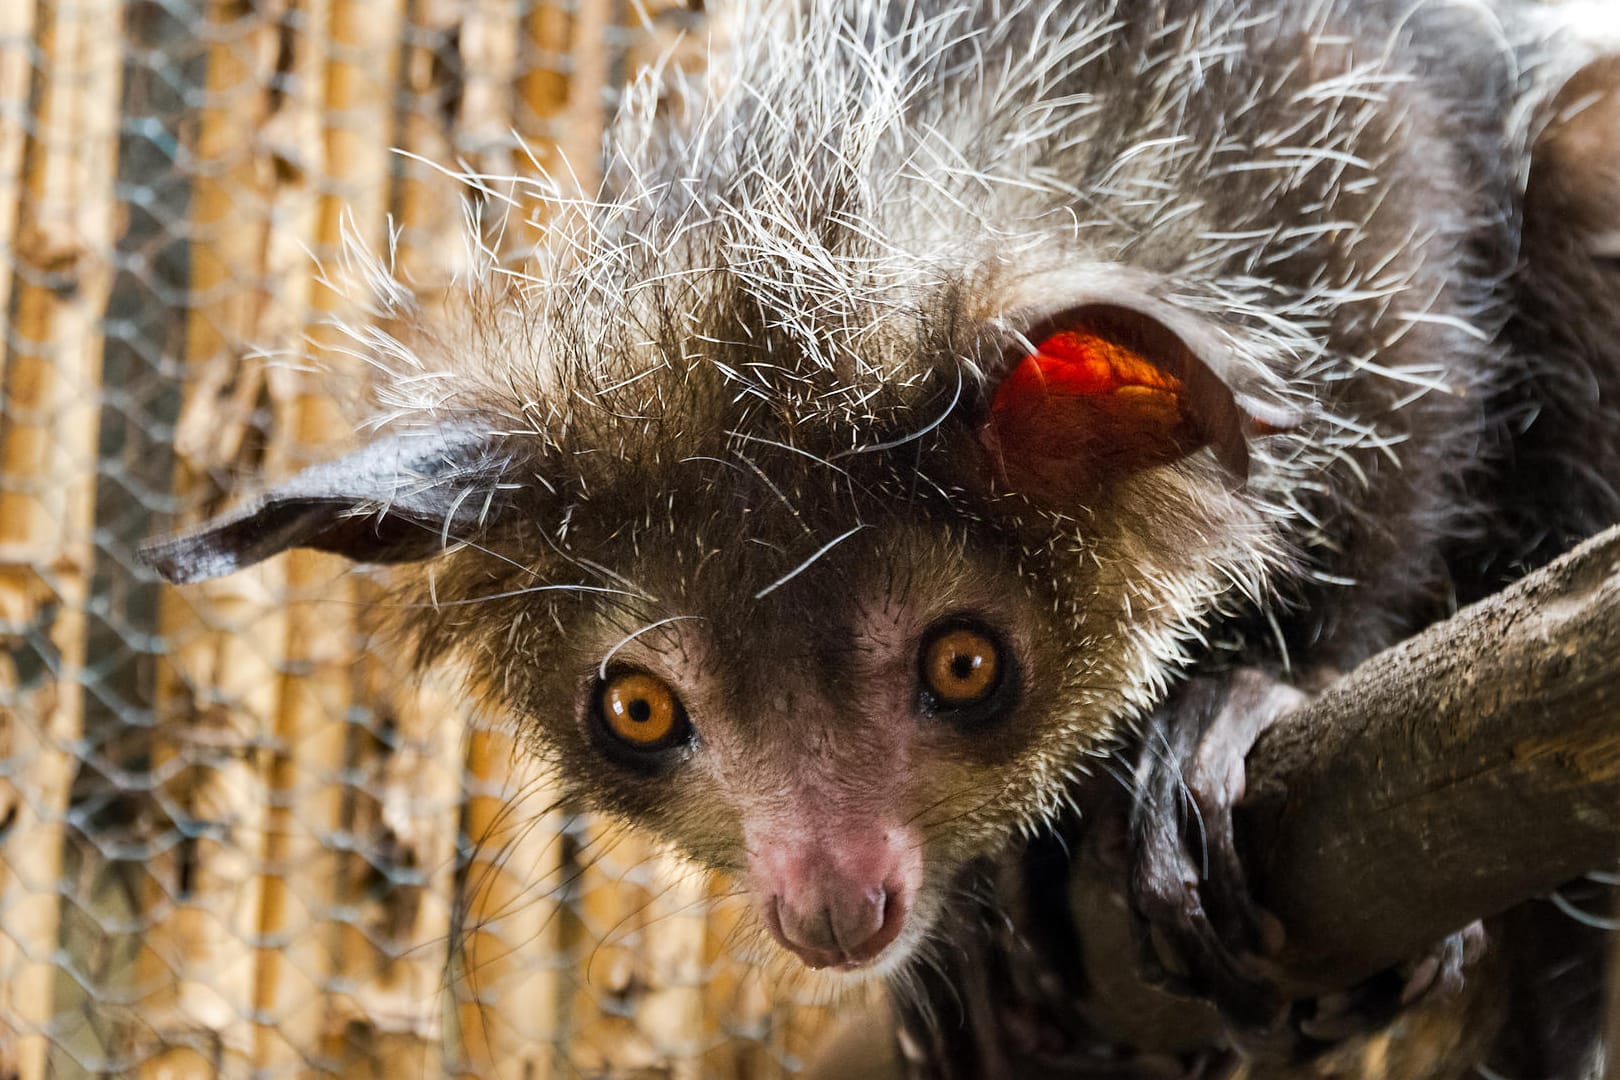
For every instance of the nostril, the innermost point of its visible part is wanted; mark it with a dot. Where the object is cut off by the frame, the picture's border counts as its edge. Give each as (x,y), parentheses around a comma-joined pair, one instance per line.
(856,924)
(811,927)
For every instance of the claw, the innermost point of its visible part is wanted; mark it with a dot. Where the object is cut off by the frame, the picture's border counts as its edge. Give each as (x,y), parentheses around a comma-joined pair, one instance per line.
(1443,970)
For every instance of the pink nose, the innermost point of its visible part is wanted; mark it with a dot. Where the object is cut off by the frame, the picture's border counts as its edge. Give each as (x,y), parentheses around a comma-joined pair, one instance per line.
(845,929)
(836,907)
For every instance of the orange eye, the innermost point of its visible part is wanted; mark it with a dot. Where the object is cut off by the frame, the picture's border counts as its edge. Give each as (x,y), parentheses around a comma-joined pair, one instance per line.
(961,666)
(641,711)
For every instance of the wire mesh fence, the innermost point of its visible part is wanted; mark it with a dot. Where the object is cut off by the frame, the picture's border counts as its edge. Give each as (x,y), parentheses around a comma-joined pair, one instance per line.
(234,839)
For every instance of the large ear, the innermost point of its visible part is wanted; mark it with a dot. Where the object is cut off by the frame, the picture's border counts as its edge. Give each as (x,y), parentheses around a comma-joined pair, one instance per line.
(406,496)
(1098,392)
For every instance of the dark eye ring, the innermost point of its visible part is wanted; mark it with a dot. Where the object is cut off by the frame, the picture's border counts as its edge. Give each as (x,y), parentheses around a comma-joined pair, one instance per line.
(964,672)
(637,715)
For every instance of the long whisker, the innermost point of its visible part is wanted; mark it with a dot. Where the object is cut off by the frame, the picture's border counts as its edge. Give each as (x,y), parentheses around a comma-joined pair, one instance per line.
(914,436)
(526,591)
(601,669)
(808,563)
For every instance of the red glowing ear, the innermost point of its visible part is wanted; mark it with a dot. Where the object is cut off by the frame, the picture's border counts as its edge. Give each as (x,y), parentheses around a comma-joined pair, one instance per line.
(1108,392)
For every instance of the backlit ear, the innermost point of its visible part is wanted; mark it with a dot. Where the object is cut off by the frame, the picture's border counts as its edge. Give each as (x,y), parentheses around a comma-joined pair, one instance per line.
(1105,392)
(406,496)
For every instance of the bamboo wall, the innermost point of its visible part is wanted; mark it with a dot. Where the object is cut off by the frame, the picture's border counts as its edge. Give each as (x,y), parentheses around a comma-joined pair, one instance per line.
(233,840)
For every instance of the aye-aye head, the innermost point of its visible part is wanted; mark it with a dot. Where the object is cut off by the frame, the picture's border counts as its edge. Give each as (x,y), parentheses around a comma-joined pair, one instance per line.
(841,650)
(832,562)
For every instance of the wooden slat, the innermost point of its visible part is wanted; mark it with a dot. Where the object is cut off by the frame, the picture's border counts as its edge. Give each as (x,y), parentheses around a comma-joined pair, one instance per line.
(543,84)
(614,891)
(252,215)
(580,137)
(674,936)
(638,939)
(281,152)
(428,203)
(294,149)
(397,956)
(16,75)
(396,959)
(737,1009)
(508,986)
(15,599)
(542,99)
(305,876)
(63,276)
(490,37)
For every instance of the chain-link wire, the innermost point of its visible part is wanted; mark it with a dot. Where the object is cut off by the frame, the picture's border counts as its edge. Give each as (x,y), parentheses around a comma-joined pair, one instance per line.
(234,840)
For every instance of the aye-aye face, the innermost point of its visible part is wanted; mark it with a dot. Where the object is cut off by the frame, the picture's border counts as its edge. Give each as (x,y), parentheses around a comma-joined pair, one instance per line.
(839,658)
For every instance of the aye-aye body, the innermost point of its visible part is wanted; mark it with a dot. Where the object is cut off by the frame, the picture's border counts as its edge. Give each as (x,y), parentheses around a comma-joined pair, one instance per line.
(937,385)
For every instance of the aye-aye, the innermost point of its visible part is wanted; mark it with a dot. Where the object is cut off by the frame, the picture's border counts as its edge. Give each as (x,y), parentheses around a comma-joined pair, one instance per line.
(936,384)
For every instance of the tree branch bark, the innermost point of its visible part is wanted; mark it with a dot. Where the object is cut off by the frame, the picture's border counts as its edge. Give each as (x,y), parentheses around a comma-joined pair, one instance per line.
(1447,779)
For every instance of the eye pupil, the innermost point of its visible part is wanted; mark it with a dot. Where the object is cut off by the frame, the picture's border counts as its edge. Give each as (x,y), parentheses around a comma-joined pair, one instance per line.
(962,666)
(640,711)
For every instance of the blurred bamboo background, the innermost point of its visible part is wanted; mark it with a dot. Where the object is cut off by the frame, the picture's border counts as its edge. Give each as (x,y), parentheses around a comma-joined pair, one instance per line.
(233,840)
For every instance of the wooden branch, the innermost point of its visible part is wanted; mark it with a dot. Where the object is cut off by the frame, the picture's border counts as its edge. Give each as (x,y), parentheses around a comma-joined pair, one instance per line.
(1464,771)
